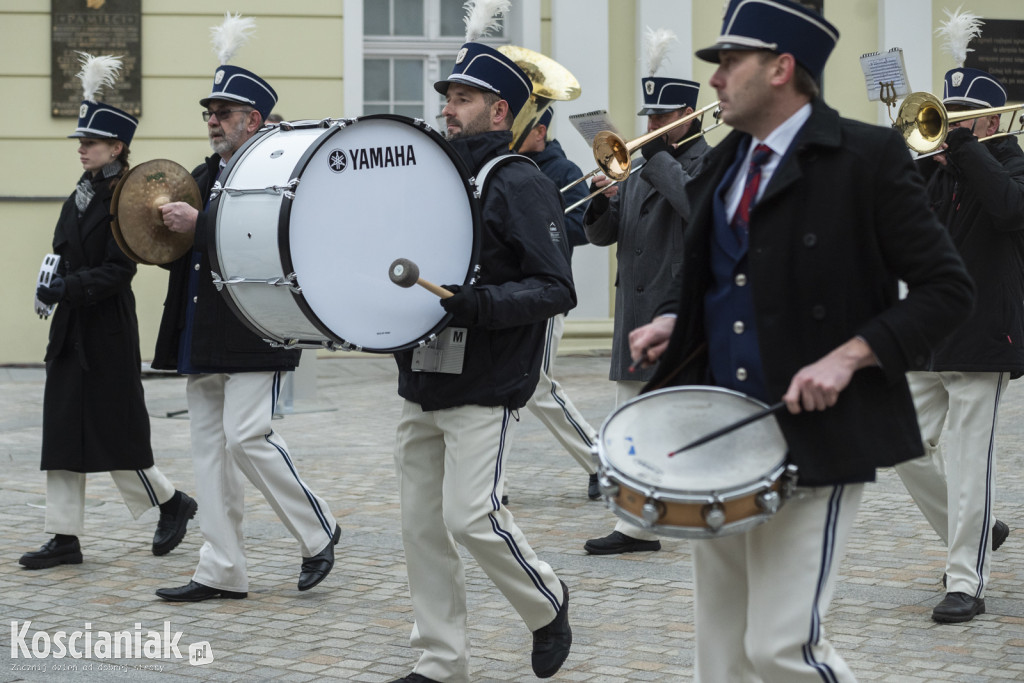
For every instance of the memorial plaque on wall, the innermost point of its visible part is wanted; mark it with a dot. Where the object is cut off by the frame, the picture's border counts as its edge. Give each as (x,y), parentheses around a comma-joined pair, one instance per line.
(1000,52)
(98,27)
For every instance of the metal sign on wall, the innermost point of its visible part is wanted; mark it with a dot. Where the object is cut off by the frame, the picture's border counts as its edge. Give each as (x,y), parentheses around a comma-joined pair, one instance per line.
(98,27)
(1000,52)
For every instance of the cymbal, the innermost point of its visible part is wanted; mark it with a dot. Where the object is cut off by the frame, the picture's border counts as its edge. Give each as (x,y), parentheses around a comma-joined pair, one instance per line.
(138,225)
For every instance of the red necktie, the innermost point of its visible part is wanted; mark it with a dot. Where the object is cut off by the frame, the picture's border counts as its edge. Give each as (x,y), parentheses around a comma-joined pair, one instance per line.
(741,218)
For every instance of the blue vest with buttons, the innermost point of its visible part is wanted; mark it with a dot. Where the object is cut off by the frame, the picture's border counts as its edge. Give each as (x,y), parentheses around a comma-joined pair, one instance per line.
(733,354)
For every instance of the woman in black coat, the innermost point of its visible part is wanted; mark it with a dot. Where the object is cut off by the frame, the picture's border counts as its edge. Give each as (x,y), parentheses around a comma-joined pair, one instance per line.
(94,411)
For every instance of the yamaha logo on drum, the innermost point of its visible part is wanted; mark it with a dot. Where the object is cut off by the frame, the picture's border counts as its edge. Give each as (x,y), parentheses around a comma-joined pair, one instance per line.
(337,160)
(376,157)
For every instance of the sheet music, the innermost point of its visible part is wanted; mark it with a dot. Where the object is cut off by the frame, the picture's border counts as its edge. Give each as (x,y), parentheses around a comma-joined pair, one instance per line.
(591,123)
(885,67)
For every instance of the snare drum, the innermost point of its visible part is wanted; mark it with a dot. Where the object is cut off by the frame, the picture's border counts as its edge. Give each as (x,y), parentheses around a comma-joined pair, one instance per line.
(310,216)
(725,486)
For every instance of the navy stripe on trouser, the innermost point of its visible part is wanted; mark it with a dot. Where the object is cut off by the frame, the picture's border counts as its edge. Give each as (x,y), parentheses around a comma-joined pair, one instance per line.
(828,549)
(548,343)
(275,391)
(149,487)
(989,463)
(504,535)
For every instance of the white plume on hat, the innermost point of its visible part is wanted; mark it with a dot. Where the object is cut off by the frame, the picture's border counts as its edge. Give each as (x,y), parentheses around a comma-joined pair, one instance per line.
(957,31)
(484,16)
(656,44)
(232,34)
(96,73)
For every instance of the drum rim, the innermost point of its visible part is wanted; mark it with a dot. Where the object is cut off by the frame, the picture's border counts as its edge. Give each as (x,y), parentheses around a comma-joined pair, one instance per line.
(284,225)
(213,208)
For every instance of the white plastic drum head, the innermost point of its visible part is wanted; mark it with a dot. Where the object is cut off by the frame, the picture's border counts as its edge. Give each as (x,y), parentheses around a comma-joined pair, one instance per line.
(372,192)
(637,438)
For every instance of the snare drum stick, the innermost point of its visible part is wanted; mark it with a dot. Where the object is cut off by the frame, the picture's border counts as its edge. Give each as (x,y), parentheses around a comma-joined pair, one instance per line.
(405,273)
(731,428)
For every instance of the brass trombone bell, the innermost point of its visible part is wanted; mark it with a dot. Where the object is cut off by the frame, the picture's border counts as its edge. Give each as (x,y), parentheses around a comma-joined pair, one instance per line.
(924,121)
(614,155)
(551,82)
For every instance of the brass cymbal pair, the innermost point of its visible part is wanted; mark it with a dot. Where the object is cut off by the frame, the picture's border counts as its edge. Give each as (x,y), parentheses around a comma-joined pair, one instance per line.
(138,225)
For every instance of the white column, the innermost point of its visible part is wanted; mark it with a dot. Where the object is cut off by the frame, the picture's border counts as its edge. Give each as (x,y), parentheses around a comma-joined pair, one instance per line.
(908,24)
(353,56)
(579,30)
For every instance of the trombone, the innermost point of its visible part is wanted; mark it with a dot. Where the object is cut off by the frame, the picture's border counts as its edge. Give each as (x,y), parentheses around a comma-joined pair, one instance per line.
(614,155)
(924,122)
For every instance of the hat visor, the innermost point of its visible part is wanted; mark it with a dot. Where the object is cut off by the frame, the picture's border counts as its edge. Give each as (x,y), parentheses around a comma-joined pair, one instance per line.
(442,86)
(710,54)
(95,134)
(664,109)
(968,102)
(227,97)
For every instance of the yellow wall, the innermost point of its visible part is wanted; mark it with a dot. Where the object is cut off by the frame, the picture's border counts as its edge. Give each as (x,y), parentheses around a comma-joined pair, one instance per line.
(297,47)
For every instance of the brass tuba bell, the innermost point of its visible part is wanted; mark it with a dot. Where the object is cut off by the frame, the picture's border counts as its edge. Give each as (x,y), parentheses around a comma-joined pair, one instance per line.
(551,82)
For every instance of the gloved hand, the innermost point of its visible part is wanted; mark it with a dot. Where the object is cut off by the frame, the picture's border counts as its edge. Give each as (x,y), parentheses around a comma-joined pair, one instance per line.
(52,294)
(464,305)
(656,145)
(958,136)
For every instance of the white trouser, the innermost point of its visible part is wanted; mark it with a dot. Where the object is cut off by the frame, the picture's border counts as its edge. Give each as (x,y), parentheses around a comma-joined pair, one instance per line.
(65,496)
(760,596)
(954,486)
(230,416)
(626,390)
(450,478)
(552,406)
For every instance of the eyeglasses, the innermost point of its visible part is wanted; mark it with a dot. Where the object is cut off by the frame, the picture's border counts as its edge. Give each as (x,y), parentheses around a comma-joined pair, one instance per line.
(221,114)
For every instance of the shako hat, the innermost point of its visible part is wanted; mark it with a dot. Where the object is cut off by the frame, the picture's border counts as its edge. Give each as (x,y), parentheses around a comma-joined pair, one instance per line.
(233,83)
(95,119)
(964,85)
(663,94)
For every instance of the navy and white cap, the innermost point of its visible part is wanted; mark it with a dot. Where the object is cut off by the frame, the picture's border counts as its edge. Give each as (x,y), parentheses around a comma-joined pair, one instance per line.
(972,88)
(663,95)
(485,68)
(102,121)
(780,26)
(545,118)
(235,84)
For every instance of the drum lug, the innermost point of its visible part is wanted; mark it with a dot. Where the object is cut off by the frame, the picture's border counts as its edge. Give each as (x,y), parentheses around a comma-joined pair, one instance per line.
(714,516)
(788,481)
(608,487)
(652,511)
(769,501)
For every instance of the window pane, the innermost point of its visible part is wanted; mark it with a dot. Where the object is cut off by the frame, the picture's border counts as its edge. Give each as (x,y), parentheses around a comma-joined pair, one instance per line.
(376,109)
(451,18)
(375,18)
(408,18)
(445,67)
(410,110)
(376,80)
(409,80)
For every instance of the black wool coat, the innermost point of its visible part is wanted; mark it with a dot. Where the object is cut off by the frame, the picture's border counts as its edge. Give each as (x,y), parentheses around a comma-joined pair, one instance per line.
(94,411)
(842,220)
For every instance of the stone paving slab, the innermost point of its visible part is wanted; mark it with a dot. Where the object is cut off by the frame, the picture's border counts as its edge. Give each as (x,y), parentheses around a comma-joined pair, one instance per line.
(632,615)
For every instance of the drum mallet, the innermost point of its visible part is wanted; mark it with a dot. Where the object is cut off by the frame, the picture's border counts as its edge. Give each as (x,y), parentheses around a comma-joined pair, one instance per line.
(405,273)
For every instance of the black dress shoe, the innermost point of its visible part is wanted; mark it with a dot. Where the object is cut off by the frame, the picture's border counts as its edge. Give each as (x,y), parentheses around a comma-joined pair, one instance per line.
(593,489)
(54,552)
(1000,531)
(958,607)
(551,643)
(172,525)
(415,678)
(197,592)
(617,542)
(315,569)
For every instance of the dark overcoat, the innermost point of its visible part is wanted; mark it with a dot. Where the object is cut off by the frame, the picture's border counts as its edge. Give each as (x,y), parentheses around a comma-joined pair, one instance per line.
(843,218)
(94,411)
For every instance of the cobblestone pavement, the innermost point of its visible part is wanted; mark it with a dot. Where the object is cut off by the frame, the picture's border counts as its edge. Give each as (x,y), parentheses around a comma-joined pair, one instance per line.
(631,615)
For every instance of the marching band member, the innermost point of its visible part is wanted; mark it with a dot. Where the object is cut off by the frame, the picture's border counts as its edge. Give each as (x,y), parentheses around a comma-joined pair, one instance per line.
(802,224)
(455,429)
(94,411)
(646,215)
(977,190)
(234,377)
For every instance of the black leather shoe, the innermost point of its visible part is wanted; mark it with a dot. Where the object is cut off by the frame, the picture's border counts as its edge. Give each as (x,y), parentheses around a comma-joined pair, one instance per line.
(551,643)
(958,607)
(315,569)
(593,490)
(617,542)
(172,525)
(415,678)
(999,533)
(53,553)
(197,592)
